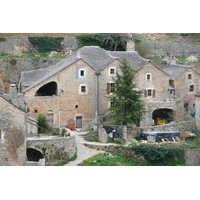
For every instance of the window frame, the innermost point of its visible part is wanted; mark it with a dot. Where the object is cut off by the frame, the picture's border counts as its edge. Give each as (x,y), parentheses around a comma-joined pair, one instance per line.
(148,74)
(190,88)
(112,74)
(80,89)
(79,73)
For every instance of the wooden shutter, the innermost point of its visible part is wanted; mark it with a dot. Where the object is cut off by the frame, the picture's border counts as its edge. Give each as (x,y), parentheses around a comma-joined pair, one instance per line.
(145,93)
(154,92)
(108,88)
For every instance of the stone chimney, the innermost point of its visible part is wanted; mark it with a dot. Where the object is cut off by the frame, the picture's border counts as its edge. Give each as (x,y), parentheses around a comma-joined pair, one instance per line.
(171,61)
(130,46)
(13,91)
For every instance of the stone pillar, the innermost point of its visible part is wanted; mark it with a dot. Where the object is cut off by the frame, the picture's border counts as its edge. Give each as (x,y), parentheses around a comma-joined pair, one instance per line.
(124,133)
(103,136)
(130,46)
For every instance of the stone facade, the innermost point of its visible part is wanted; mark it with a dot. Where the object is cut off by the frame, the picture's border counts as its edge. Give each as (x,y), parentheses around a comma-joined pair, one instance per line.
(13,134)
(192,157)
(54,150)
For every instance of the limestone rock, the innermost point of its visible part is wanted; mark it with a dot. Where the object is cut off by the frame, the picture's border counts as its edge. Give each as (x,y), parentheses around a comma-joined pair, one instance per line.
(192,58)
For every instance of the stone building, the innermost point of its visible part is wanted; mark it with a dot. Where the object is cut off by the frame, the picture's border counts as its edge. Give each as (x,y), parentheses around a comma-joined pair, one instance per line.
(13,131)
(197,114)
(183,84)
(74,89)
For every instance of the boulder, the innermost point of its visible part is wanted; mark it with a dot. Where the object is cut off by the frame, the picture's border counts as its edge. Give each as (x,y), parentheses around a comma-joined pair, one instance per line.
(192,58)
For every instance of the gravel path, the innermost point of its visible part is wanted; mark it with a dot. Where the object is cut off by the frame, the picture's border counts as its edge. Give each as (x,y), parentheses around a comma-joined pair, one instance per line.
(83,152)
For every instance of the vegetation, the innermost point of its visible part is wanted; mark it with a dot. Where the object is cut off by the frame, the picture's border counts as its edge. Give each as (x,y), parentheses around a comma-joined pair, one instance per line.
(110,159)
(43,126)
(108,41)
(164,156)
(46,44)
(2,39)
(65,162)
(127,108)
(91,136)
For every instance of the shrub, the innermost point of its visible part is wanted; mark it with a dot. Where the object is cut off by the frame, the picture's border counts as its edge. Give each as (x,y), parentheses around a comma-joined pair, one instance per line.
(43,126)
(2,39)
(160,155)
(47,44)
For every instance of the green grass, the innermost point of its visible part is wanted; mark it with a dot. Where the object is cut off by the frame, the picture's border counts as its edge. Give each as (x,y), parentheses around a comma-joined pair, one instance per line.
(155,59)
(65,162)
(110,159)
(31,57)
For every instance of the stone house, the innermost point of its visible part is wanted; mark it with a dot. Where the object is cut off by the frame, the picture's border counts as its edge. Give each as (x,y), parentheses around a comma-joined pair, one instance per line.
(183,84)
(86,98)
(74,89)
(13,129)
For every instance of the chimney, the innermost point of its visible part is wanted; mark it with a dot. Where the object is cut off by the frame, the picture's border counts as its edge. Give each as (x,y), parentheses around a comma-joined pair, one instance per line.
(130,46)
(13,91)
(171,61)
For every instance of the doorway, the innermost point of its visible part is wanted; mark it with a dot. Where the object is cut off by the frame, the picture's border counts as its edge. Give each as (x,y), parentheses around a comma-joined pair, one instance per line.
(79,122)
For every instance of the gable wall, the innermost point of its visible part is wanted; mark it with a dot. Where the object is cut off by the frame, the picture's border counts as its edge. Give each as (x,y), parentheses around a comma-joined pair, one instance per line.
(159,82)
(182,87)
(69,81)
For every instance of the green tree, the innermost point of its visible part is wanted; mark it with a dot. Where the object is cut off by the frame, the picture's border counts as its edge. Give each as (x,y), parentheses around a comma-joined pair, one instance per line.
(126,106)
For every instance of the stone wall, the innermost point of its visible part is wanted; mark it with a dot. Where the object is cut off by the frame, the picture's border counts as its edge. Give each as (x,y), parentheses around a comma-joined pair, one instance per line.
(20,46)
(192,157)
(161,49)
(54,150)
(183,126)
(13,134)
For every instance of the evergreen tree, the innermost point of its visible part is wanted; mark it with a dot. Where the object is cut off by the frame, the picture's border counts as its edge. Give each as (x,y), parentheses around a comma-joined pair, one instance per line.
(126,106)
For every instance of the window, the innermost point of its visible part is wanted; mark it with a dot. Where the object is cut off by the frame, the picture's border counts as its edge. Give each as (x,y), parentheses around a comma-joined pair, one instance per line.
(111,104)
(149,93)
(110,87)
(148,77)
(82,73)
(83,89)
(191,89)
(35,111)
(112,71)
(189,76)
(76,106)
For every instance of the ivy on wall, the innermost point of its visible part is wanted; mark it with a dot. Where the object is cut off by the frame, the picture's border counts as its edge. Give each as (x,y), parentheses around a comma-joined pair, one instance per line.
(47,44)
(2,39)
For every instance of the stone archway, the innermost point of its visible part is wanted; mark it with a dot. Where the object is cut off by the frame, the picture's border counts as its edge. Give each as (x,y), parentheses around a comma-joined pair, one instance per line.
(48,89)
(33,154)
(164,114)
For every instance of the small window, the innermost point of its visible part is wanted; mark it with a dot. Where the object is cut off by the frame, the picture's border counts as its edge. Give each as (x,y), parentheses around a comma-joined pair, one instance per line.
(110,88)
(35,111)
(76,106)
(112,71)
(148,77)
(149,93)
(83,89)
(170,92)
(189,76)
(191,89)
(111,104)
(193,104)
(0,135)
(82,72)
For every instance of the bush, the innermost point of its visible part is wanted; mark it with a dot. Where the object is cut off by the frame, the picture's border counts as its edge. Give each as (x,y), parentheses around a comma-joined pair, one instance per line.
(160,155)
(43,126)
(2,39)
(47,44)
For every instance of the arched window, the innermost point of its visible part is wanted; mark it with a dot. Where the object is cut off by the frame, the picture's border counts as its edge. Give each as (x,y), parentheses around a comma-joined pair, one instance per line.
(48,89)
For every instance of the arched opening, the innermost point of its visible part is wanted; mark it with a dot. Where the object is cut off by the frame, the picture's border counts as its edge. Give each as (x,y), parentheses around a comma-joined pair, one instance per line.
(33,154)
(164,114)
(48,89)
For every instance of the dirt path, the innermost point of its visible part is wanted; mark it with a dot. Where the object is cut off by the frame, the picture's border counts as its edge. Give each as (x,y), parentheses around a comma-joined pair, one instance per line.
(83,152)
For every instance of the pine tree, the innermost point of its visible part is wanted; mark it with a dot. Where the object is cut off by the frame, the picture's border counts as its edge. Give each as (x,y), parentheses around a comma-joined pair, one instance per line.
(127,108)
